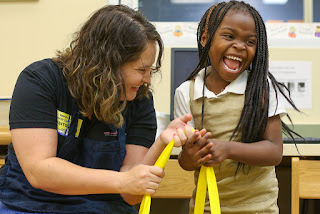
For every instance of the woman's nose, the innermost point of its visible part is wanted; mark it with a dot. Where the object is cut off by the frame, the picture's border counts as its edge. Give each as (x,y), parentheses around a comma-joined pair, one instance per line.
(146,77)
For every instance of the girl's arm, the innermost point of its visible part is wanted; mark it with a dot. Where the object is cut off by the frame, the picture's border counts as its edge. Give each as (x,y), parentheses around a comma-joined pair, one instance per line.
(267,152)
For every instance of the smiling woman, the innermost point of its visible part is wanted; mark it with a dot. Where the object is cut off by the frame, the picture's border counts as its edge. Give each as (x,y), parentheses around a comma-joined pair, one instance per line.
(138,72)
(87,115)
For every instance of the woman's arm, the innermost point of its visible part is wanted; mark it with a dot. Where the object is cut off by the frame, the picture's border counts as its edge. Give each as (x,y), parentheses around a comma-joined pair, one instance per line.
(135,155)
(142,155)
(36,152)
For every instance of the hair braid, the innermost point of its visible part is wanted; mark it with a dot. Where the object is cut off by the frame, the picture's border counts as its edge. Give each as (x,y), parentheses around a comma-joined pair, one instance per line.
(254,116)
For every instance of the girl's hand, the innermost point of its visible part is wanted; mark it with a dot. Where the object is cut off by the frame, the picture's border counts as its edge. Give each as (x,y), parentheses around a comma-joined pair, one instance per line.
(175,131)
(141,180)
(219,152)
(196,151)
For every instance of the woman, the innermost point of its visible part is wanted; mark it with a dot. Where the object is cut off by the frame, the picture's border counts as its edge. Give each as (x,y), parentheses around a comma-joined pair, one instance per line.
(82,123)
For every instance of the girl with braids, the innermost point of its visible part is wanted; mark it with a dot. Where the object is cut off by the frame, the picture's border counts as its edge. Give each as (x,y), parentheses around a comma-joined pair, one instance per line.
(83,123)
(236,104)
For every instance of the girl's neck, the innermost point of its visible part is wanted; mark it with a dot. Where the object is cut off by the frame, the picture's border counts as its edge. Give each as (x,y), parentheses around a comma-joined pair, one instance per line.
(214,84)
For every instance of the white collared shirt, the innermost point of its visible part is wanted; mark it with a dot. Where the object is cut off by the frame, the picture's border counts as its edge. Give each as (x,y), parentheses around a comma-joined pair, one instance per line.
(238,86)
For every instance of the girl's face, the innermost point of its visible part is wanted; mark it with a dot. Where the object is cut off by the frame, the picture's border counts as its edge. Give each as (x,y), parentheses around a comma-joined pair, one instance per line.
(138,72)
(233,46)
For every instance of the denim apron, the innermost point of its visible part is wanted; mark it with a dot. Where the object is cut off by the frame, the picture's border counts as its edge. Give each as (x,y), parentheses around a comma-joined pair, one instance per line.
(17,193)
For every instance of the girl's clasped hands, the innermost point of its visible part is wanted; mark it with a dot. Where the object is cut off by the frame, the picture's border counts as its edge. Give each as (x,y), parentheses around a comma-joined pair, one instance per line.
(199,149)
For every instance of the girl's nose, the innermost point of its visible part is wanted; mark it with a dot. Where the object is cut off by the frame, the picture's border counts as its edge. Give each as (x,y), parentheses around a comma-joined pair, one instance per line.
(239,46)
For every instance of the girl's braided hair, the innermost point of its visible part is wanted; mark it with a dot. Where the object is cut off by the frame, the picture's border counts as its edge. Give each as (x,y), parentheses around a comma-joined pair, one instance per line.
(255,110)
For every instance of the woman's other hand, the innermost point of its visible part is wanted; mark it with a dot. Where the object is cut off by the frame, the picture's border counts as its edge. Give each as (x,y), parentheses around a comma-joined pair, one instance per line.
(141,180)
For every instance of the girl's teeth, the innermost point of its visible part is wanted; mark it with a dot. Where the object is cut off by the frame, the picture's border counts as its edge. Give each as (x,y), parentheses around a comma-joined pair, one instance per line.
(234,58)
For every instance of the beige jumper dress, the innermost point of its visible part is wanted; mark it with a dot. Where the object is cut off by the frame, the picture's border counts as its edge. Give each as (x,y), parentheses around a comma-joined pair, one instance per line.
(253,189)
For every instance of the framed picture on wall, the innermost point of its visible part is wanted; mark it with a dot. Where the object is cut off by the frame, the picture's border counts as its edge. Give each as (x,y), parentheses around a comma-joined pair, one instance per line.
(192,10)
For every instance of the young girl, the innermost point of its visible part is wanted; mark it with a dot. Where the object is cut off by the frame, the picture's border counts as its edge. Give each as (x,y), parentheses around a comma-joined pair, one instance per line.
(233,97)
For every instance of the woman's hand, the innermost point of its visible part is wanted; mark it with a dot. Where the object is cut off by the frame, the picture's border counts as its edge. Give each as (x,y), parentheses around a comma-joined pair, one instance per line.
(141,180)
(176,131)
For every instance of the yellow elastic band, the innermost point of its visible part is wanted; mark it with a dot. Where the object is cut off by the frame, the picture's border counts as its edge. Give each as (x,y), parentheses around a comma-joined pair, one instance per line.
(161,162)
(213,191)
(207,178)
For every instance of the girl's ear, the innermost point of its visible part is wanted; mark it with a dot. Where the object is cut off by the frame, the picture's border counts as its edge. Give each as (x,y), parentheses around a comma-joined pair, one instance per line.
(204,39)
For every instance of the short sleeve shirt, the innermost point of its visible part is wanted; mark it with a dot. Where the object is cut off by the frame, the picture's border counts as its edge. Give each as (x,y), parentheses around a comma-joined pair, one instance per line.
(238,86)
(41,99)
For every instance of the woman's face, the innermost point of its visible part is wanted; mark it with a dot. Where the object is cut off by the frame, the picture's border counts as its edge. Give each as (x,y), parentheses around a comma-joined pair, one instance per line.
(233,46)
(138,72)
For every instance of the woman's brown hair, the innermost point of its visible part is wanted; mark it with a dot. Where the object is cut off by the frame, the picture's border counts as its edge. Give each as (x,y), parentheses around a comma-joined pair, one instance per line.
(113,35)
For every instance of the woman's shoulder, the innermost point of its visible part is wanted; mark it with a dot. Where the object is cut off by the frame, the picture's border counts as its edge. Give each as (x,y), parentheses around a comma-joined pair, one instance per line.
(45,71)
(42,64)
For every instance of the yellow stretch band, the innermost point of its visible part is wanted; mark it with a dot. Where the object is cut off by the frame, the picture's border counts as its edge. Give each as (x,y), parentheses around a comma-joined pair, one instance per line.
(207,178)
(213,191)
(161,162)
(145,205)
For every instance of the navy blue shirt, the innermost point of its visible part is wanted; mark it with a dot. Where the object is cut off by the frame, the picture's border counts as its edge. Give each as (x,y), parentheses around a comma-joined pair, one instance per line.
(41,98)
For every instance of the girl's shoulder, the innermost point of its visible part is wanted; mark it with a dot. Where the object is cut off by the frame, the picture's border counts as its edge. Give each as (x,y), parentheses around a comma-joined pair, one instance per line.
(184,86)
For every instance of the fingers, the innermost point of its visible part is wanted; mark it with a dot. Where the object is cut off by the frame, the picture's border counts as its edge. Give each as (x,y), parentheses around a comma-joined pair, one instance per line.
(205,154)
(142,179)
(189,130)
(192,139)
(202,141)
(157,171)
(203,132)
(180,139)
(185,118)
(155,179)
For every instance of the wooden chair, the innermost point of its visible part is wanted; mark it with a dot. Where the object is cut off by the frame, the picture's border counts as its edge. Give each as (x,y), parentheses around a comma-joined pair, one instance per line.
(305,182)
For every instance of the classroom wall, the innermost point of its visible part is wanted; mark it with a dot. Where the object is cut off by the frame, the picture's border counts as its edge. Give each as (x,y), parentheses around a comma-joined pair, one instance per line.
(35,29)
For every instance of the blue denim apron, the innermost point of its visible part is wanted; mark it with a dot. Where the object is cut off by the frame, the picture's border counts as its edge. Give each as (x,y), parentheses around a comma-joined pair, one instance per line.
(17,193)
